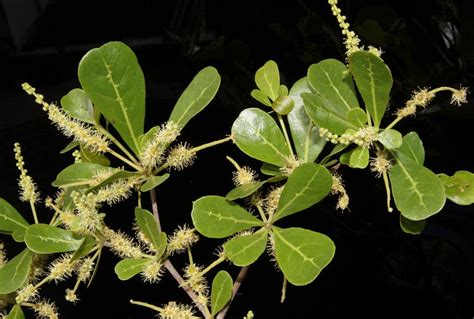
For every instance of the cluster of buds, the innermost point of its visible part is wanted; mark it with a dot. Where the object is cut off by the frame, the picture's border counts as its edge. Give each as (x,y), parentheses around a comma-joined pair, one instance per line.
(152,271)
(197,282)
(180,156)
(363,137)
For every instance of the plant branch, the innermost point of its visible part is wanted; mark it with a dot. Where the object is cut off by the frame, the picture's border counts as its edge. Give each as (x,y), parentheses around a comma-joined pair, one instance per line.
(125,160)
(154,207)
(169,266)
(116,142)
(235,288)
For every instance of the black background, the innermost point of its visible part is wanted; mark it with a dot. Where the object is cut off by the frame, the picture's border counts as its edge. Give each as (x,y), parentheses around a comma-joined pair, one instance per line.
(378,271)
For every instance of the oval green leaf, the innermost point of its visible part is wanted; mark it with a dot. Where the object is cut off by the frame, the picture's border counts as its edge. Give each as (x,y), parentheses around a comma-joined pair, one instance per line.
(301,254)
(77,174)
(149,227)
(307,185)
(221,291)
(119,174)
(47,239)
(154,181)
(196,96)
(245,190)
(88,245)
(257,135)
(245,250)
(267,79)
(127,268)
(413,227)
(359,157)
(10,219)
(390,138)
(215,217)
(322,115)
(374,82)
(261,97)
(92,157)
(304,133)
(459,187)
(14,274)
(113,80)
(78,105)
(330,79)
(16,313)
(270,169)
(412,148)
(417,191)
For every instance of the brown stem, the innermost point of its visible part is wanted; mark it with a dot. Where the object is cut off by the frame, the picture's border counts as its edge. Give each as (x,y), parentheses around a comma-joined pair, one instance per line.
(237,283)
(154,207)
(169,266)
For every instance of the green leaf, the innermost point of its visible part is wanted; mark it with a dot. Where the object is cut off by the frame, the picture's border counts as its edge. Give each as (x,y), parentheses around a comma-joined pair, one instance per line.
(47,239)
(127,268)
(14,274)
(91,157)
(459,187)
(417,191)
(412,148)
(322,115)
(269,169)
(149,227)
(245,250)
(261,97)
(304,133)
(357,117)
(330,79)
(215,217)
(78,105)
(413,227)
(119,174)
(72,145)
(196,96)
(359,157)
(282,90)
(88,245)
(244,190)
(374,81)
(221,291)
(391,139)
(257,135)
(308,184)
(154,181)
(283,105)
(302,254)
(16,313)
(267,79)
(10,219)
(113,80)
(77,174)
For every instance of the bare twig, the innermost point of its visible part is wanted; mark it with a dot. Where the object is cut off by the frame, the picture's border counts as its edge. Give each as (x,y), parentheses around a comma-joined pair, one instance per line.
(235,288)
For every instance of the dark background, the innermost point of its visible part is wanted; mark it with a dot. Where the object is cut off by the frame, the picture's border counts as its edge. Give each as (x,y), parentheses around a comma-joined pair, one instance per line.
(378,271)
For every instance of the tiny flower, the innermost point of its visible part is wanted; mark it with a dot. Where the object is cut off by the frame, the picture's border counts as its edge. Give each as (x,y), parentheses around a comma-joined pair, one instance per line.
(152,272)
(182,238)
(71,296)
(172,310)
(380,164)
(459,96)
(291,163)
(45,309)
(180,156)
(244,175)
(338,189)
(77,156)
(27,293)
(272,200)
(195,280)
(3,257)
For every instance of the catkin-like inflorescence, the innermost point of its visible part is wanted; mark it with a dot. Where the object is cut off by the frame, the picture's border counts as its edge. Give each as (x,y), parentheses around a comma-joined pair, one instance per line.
(61,268)
(339,190)
(459,97)
(195,280)
(84,269)
(271,200)
(420,97)
(352,41)
(121,244)
(28,293)
(365,136)
(70,127)
(152,153)
(244,175)
(152,271)
(46,310)
(183,238)
(28,191)
(71,296)
(380,164)
(3,257)
(180,157)
(172,310)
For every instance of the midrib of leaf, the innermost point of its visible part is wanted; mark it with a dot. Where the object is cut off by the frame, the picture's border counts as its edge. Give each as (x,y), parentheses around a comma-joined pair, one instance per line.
(220,291)
(270,84)
(372,93)
(283,156)
(25,255)
(340,117)
(230,218)
(120,101)
(194,102)
(306,145)
(297,249)
(140,264)
(5,217)
(55,240)
(337,91)
(246,247)
(297,195)
(413,183)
